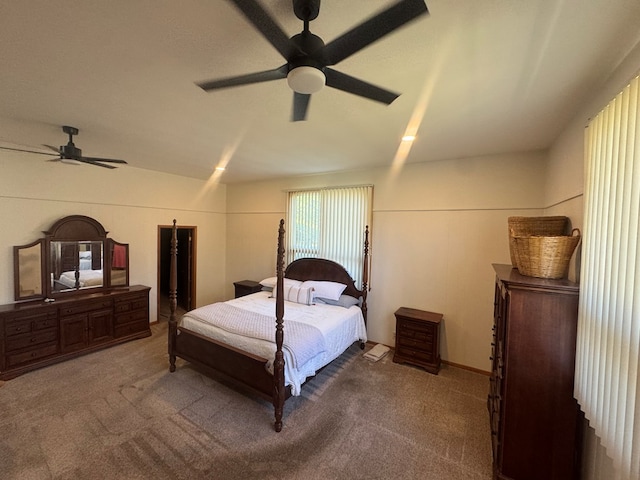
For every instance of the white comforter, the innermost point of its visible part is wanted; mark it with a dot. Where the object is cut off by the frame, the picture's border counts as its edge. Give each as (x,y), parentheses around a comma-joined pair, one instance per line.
(339,326)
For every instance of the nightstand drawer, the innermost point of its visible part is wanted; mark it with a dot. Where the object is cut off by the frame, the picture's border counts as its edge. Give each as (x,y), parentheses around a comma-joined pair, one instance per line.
(416,343)
(421,333)
(412,353)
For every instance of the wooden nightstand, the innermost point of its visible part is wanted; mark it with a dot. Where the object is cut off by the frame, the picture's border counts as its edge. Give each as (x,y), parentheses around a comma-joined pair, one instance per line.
(418,338)
(246,287)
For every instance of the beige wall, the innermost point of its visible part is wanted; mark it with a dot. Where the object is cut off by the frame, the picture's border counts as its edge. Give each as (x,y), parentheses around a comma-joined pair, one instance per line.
(130,203)
(437,228)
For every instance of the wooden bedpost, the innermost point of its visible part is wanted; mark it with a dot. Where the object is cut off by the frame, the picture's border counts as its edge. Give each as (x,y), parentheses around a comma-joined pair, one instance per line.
(173,291)
(365,274)
(278,364)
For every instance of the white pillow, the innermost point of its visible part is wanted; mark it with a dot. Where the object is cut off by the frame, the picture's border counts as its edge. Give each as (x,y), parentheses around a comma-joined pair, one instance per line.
(330,290)
(296,293)
(269,282)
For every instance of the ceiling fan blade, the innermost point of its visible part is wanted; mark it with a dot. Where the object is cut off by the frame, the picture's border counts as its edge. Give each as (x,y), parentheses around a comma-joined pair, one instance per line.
(259,17)
(51,147)
(257,77)
(106,160)
(95,162)
(373,29)
(350,84)
(300,106)
(29,151)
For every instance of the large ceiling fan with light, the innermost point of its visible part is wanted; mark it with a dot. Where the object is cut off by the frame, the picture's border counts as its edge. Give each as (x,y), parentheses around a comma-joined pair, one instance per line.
(308,58)
(71,154)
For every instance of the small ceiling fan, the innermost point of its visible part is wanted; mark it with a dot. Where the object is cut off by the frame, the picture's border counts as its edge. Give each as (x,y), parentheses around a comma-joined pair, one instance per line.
(308,58)
(71,154)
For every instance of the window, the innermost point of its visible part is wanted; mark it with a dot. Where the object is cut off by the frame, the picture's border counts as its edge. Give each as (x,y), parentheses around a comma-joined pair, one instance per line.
(330,223)
(608,345)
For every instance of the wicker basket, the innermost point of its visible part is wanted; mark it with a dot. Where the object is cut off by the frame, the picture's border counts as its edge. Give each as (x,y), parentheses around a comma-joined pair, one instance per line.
(545,257)
(524,226)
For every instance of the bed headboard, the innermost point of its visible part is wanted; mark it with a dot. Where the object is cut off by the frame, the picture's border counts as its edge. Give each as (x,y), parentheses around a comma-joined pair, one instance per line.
(322,270)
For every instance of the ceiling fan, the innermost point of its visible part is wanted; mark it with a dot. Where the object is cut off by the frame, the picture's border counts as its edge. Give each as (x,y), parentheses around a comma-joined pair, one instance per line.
(308,58)
(71,154)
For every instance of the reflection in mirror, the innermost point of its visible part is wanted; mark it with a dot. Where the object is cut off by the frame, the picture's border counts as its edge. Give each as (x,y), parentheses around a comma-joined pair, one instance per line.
(29,271)
(119,254)
(76,265)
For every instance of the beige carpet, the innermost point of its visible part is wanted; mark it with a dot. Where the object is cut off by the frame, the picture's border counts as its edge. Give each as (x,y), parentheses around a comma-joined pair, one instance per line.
(119,414)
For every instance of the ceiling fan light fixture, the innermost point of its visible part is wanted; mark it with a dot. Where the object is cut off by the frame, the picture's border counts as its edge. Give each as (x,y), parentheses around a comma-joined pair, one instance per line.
(70,161)
(306,80)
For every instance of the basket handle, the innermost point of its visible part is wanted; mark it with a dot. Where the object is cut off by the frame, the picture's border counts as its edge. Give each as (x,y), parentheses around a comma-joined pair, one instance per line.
(575,230)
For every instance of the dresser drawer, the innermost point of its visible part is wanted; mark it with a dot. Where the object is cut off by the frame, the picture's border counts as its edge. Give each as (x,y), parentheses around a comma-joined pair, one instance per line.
(86,307)
(132,316)
(32,339)
(26,323)
(132,302)
(132,328)
(31,355)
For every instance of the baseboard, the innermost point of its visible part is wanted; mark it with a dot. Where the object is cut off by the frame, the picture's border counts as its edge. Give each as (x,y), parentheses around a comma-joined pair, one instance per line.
(446,362)
(465,367)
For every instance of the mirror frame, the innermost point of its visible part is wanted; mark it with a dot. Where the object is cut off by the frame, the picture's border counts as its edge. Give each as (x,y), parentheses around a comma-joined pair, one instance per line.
(74,228)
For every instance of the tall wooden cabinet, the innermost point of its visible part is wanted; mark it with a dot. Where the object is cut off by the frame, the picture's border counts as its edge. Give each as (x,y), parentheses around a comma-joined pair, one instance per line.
(535,421)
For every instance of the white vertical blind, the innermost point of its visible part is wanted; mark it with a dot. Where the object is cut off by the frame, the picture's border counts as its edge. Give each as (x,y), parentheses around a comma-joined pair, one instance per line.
(608,345)
(330,223)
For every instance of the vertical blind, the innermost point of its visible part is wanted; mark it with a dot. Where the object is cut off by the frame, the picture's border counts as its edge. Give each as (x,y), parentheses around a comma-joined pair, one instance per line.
(330,223)
(607,356)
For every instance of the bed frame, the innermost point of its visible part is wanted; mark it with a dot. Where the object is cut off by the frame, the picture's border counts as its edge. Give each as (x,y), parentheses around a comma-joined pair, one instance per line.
(240,367)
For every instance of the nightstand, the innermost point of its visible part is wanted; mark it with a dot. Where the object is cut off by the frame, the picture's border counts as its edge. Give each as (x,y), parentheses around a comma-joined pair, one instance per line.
(418,338)
(246,287)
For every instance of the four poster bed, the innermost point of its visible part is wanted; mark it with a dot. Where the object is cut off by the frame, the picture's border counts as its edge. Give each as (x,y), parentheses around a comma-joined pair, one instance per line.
(242,341)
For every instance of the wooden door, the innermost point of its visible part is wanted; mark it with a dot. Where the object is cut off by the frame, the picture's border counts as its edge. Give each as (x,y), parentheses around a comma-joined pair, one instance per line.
(100,326)
(73,333)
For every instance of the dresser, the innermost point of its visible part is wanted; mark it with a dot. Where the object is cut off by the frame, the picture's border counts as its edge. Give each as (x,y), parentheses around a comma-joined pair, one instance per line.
(37,333)
(535,421)
(418,338)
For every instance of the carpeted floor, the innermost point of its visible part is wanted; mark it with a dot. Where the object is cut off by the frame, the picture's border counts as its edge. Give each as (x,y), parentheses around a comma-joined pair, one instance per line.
(119,414)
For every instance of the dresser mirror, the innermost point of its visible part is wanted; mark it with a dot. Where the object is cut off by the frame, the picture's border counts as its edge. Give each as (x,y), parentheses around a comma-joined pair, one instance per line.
(29,270)
(74,256)
(119,255)
(76,265)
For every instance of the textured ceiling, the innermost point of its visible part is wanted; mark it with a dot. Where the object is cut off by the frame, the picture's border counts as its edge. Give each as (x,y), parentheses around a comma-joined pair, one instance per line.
(476,77)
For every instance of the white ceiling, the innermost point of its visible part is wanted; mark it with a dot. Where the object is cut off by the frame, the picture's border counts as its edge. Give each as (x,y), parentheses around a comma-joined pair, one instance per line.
(477,77)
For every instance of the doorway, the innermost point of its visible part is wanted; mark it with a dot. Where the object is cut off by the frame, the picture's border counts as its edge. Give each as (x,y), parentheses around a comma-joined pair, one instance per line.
(186,269)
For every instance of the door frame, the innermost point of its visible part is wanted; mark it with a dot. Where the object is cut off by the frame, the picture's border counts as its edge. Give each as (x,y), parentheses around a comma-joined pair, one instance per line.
(165,260)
